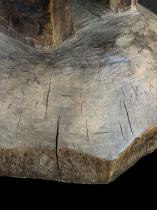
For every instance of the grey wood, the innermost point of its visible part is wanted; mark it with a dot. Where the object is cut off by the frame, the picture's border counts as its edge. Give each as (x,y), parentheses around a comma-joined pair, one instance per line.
(86,111)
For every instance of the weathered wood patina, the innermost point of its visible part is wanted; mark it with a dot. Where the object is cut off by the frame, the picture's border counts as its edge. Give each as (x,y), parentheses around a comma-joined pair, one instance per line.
(87,111)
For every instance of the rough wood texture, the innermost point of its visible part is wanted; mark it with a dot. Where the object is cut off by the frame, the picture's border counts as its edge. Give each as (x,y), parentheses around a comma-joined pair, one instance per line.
(85,112)
(47,23)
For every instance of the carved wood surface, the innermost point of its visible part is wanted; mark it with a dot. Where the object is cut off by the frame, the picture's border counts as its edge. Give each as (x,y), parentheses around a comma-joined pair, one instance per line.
(86,111)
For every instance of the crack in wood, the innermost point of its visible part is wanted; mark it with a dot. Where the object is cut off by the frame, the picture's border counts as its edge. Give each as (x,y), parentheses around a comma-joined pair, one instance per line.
(56,148)
(19,119)
(87,131)
(28,130)
(81,92)
(134,90)
(128,117)
(123,92)
(98,72)
(18,124)
(121,130)
(67,96)
(82,107)
(47,97)
(105,132)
